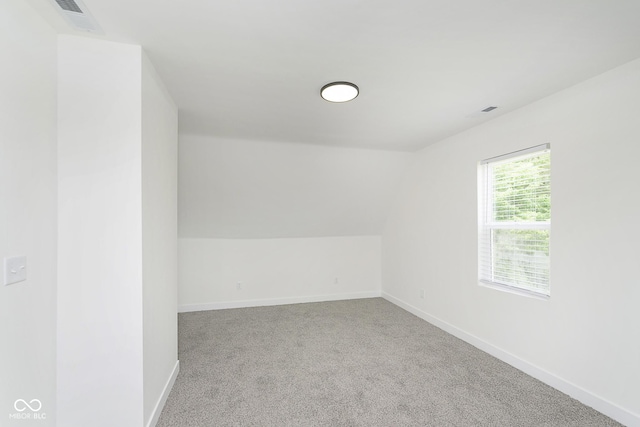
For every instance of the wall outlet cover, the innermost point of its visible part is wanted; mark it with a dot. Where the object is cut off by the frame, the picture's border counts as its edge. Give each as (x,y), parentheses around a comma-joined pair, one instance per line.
(15,270)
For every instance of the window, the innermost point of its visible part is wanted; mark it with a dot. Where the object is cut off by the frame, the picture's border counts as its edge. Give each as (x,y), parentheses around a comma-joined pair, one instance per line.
(515,221)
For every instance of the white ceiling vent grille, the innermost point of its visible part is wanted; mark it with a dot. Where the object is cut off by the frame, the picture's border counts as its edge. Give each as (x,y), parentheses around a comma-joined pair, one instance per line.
(77,15)
(69,5)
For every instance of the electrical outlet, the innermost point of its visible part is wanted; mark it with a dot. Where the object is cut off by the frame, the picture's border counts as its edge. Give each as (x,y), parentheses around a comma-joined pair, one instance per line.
(15,270)
(422,293)
(335,280)
(239,286)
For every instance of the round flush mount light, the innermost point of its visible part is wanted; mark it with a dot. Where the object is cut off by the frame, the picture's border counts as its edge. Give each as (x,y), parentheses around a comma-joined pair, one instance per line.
(339,92)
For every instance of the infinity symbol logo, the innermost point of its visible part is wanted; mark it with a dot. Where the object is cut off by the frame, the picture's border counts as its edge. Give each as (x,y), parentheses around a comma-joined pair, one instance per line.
(21,403)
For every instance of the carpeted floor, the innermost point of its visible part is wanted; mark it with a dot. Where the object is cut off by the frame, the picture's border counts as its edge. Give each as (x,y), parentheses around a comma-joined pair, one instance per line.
(349,363)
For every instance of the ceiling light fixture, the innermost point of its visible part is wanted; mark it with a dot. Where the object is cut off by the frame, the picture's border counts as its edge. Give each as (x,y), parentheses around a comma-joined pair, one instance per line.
(339,92)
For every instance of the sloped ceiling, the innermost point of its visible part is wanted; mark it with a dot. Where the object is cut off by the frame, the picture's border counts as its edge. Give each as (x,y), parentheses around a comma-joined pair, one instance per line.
(262,155)
(252,69)
(256,189)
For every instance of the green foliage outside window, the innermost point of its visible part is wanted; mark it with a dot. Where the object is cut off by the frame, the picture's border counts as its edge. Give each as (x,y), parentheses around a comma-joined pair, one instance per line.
(521,190)
(520,195)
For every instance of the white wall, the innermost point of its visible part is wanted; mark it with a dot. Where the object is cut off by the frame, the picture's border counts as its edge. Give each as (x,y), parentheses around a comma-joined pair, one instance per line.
(276,271)
(28,210)
(585,338)
(283,219)
(100,234)
(257,189)
(117,246)
(159,239)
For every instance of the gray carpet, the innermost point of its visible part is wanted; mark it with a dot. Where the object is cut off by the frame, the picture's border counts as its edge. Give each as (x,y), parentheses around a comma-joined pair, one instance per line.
(349,363)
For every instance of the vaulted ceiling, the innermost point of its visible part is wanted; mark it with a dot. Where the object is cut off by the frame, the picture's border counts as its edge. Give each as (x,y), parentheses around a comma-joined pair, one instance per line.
(252,70)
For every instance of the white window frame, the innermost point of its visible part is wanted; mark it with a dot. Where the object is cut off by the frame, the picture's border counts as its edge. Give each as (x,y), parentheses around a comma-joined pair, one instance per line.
(486,225)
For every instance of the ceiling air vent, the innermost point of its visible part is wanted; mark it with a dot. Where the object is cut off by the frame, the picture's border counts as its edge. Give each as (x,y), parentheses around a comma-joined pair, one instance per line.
(69,5)
(77,15)
(486,110)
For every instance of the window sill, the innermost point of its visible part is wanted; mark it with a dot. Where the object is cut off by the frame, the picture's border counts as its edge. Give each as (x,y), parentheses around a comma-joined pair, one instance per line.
(512,290)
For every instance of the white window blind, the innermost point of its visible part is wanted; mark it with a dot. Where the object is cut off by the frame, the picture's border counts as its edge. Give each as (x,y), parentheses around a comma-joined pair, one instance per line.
(515,220)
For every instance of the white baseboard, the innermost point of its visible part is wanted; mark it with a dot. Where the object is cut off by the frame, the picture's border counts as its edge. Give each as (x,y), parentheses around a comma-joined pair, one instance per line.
(185,308)
(155,415)
(611,410)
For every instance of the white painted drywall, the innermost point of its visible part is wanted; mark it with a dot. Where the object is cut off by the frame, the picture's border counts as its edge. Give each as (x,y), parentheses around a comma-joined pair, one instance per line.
(276,270)
(28,211)
(587,333)
(283,219)
(257,189)
(159,237)
(100,326)
(117,251)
